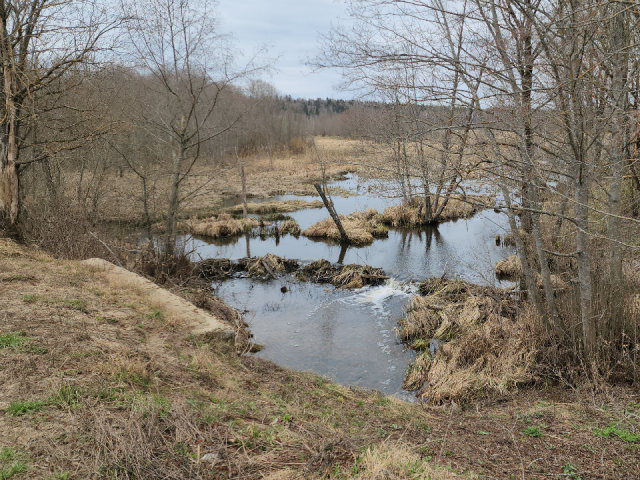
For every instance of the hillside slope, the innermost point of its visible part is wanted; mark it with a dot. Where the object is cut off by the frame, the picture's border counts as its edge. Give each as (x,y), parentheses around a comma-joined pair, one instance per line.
(100,379)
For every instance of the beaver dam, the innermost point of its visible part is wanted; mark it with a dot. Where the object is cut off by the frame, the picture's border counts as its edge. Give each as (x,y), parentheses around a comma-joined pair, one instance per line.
(315,304)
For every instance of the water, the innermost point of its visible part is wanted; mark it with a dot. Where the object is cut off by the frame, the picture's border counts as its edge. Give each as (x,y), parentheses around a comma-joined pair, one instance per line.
(350,335)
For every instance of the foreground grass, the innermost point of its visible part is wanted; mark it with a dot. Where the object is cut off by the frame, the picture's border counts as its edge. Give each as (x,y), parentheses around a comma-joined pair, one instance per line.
(119,392)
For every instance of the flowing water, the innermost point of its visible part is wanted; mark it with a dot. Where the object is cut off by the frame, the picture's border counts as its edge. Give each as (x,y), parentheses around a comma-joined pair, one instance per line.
(350,335)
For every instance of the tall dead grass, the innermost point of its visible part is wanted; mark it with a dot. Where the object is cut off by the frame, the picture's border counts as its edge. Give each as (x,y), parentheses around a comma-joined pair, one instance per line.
(222,225)
(286,206)
(483,347)
(361,228)
(411,213)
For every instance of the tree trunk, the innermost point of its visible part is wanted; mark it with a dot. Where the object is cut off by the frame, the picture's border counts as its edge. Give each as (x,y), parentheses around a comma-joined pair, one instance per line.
(546,276)
(244,192)
(428,212)
(9,179)
(584,264)
(617,155)
(174,200)
(529,275)
(332,212)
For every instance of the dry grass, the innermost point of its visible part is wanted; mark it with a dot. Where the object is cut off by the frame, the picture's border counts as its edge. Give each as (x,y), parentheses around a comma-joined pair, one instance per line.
(110,390)
(483,348)
(509,267)
(289,227)
(411,214)
(286,206)
(257,267)
(222,225)
(361,228)
(292,173)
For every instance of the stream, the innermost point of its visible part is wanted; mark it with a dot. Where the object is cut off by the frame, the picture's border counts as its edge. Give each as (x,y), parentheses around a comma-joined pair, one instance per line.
(349,335)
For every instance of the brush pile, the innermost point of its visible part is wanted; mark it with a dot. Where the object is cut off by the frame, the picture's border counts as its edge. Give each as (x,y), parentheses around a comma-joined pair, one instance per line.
(217,268)
(222,225)
(286,206)
(361,228)
(268,266)
(347,276)
(479,345)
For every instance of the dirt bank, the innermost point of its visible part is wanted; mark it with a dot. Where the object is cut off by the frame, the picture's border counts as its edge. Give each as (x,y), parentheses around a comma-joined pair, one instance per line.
(98,383)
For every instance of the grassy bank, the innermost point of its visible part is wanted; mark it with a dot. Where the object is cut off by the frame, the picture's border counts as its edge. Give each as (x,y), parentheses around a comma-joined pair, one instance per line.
(97,382)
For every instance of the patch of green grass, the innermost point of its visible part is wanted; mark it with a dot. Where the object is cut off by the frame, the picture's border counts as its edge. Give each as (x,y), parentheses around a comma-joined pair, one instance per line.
(79,305)
(30,298)
(424,427)
(156,315)
(69,395)
(614,431)
(12,340)
(571,472)
(20,407)
(533,432)
(11,463)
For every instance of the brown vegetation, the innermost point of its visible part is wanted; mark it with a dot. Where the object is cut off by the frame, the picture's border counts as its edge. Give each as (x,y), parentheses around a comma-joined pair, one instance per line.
(286,206)
(509,267)
(267,266)
(222,225)
(95,380)
(289,226)
(361,227)
(342,276)
(412,213)
(483,348)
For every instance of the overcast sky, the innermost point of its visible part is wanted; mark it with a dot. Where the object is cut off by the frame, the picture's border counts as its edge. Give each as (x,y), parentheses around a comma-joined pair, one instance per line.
(291,28)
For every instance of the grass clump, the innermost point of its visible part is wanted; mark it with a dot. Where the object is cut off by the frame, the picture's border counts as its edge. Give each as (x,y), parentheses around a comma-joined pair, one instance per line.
(21,407)
(412,214)
(289,227)
(222,225)
(67,396)
(30,298)
(361,228)
(11,463)
(481,347)
(12,340)
(257,266)
(533,432)
(614,431)
(342,276)
(509,267)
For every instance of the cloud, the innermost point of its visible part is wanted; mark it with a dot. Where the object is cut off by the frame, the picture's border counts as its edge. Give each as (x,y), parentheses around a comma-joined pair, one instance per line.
(291,29)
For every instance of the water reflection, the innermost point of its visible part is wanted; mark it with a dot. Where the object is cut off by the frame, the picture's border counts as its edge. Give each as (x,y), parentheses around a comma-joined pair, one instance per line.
(350,335)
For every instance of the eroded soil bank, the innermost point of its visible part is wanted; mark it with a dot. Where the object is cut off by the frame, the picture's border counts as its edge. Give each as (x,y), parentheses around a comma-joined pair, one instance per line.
(98,383)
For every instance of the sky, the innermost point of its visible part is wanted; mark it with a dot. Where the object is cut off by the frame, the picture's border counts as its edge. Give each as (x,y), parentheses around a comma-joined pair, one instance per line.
(291,29)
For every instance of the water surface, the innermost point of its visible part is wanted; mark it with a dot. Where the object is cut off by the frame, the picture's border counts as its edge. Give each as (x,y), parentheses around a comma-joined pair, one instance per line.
(350,335)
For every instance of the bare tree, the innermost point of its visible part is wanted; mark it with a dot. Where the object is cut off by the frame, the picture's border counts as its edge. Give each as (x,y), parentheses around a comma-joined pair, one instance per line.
(190,67)
(45,47)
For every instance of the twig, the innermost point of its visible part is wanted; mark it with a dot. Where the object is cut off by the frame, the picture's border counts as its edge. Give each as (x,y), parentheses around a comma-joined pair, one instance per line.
(107,247)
